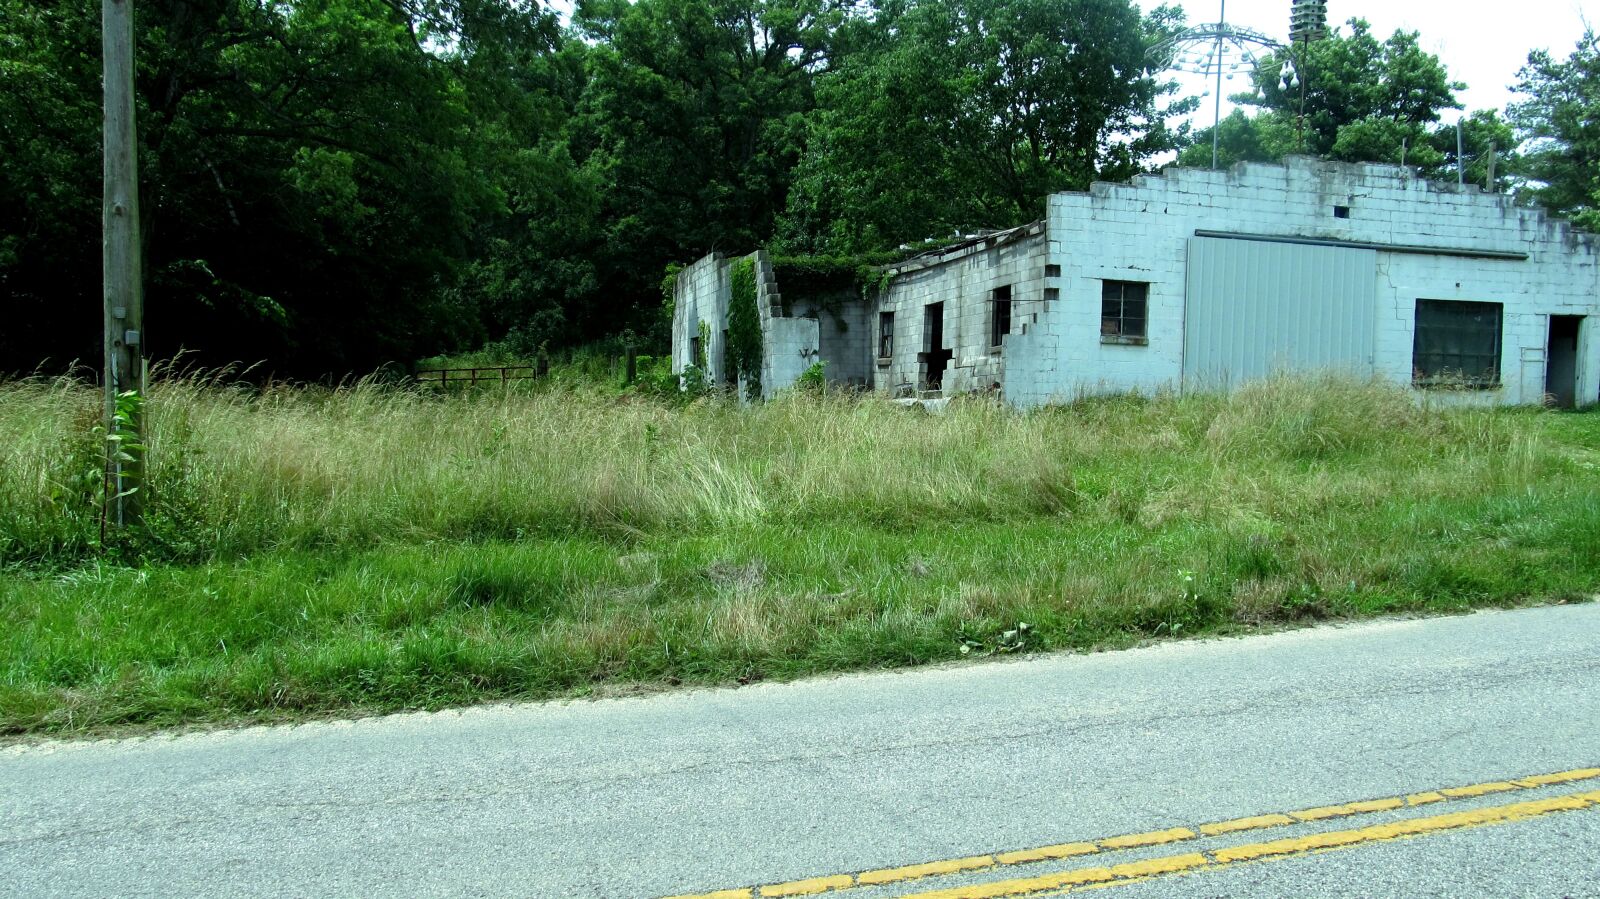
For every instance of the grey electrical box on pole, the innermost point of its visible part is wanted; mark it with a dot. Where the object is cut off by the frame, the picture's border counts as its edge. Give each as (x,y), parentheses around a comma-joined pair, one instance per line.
(122,271)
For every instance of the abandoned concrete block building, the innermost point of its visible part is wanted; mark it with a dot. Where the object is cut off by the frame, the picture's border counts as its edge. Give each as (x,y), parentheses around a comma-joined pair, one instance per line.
(1195,279)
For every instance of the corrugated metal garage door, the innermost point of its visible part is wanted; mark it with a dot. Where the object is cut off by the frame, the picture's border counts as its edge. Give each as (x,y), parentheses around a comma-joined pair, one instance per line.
(1254,307)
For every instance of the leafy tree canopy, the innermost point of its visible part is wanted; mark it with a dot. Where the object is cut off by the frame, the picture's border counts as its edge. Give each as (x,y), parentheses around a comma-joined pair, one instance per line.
(691,123)
(1559,117)
(312,172)
(960,114)
(329,185)
(1353,98)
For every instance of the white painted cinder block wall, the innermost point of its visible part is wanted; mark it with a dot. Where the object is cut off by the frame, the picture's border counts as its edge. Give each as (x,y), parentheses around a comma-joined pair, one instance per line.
(1140,232)
(964,279)
(704,292)
(700,295)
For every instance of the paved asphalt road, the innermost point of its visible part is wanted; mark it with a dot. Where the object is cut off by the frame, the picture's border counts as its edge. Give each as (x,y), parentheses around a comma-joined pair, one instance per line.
(704,790)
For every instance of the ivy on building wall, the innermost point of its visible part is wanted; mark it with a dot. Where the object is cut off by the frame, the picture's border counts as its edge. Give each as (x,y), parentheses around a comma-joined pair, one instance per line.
(744,326)
(825,283)
(814,277)
(669,290)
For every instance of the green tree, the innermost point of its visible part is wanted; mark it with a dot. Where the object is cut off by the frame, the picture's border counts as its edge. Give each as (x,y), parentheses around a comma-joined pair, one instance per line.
(316,175)
(1264,137)
(690,124)
(1362,97)
(1362,101)
(1484,133)
(957,114)
(1560,120)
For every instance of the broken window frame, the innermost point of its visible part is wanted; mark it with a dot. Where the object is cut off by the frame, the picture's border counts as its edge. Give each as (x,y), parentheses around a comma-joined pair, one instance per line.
(885,336)
(999,316)
(1116,324)
(1457,344)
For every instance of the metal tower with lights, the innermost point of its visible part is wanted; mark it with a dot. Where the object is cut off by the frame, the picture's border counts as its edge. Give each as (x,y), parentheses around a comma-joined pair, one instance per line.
(1218,48)
(1211,50)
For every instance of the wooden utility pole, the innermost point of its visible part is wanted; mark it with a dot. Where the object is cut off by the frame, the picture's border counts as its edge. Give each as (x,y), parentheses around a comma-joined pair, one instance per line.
(122,272)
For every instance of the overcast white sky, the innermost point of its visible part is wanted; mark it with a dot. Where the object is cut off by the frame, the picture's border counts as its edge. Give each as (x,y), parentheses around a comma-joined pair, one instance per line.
(1481,43)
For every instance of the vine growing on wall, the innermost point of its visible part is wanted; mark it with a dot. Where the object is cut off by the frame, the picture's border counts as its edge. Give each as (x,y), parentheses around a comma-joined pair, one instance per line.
(669,292)
(744,326)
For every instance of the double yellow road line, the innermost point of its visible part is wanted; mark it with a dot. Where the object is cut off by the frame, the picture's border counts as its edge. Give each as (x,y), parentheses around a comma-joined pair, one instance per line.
(1106,875)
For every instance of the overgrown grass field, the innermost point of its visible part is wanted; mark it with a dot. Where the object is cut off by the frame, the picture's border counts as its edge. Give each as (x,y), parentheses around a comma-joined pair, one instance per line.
(376,548)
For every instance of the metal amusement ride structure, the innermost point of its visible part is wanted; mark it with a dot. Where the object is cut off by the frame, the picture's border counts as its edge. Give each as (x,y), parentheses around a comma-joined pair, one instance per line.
(1218,49)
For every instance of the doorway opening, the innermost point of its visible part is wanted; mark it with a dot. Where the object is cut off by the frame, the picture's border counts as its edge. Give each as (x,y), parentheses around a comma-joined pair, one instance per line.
(935,358)
(1561,369)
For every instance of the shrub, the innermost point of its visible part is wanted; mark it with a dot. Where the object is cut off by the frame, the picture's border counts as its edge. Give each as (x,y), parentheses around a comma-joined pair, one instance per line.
(813,380)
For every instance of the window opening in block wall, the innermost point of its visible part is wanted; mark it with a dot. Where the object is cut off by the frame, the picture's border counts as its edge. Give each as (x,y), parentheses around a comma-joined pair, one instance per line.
(1123,308)
(885,335)
(1341,212)
(1052,271)
(1457,344)
(1000,315)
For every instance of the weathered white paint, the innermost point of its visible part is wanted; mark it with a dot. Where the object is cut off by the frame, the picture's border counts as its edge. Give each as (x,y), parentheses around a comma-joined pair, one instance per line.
(1143,231)
(701,295)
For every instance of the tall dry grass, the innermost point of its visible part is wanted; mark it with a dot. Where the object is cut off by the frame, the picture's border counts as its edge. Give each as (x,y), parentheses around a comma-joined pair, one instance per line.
(373,547)
(234,470)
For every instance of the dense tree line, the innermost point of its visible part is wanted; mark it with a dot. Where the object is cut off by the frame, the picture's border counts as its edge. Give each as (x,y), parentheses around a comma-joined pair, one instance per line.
(329,185)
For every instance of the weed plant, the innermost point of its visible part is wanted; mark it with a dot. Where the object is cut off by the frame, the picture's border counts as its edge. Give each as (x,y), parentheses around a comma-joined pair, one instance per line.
(375,547)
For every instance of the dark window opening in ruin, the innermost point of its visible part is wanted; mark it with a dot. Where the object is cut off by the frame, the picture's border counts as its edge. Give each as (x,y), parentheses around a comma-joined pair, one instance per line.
(1122,312)
(1000,316)
(1457,344)
(695,358)
(885,335)
(934,357)
(1341,212)
(730,374)
(1052,271)
(1051,294)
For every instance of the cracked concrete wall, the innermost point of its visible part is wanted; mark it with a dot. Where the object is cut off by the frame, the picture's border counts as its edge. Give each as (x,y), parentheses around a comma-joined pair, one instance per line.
(704,293)
(846,328)
(701,295)
(964,278)
(1140,232)
(789,345)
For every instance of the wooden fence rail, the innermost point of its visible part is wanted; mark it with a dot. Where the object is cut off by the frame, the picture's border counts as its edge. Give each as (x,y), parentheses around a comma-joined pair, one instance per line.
(502,374)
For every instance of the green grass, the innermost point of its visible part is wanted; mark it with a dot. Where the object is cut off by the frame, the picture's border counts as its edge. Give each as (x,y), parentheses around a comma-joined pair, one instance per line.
(369,549)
